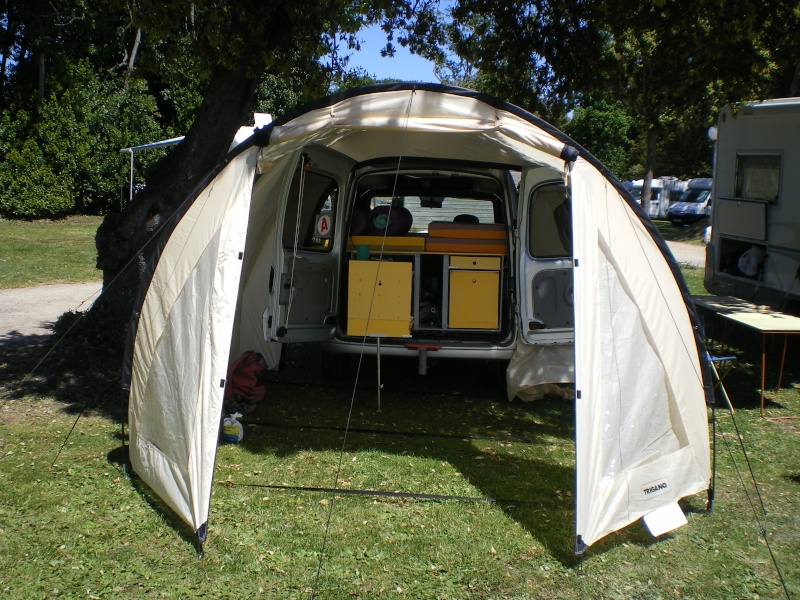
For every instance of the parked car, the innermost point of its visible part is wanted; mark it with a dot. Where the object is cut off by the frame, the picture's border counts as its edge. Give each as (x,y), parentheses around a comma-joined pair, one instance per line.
(693,205)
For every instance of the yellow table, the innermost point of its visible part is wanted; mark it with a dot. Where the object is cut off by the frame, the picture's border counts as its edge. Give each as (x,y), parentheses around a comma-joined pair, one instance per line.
(762,320)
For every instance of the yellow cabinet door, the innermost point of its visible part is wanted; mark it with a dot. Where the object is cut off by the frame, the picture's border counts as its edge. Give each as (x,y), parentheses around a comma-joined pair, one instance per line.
(473,301)
(379,298)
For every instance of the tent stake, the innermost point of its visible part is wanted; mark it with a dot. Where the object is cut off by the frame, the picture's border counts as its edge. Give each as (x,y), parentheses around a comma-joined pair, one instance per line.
(378,357)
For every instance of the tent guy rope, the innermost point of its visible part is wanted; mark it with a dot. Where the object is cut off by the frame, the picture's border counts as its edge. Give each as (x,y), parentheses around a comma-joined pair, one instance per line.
(335,487)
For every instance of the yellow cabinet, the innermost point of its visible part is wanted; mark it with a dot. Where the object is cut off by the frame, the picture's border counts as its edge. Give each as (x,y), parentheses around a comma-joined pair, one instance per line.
(480,263)
(473,299)
(379,298)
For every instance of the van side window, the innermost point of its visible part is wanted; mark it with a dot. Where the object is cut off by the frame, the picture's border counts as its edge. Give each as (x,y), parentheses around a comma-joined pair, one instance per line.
(312,204)
(758,177)
(550,223)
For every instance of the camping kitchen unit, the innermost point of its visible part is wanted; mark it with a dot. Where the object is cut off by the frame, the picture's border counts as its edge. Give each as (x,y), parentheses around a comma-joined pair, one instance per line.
(754,251)
(426,219)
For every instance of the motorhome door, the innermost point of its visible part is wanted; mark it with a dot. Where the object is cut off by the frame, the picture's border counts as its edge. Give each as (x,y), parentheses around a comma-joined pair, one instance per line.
(544,256)
(304,271)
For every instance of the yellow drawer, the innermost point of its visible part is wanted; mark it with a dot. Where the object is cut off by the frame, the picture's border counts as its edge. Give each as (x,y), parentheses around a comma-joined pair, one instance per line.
(474,300)
(390,282)
(483,263)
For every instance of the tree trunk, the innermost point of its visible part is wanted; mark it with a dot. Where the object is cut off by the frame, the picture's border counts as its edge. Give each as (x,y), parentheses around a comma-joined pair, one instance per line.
(134,52)
(124,240)
(649,166)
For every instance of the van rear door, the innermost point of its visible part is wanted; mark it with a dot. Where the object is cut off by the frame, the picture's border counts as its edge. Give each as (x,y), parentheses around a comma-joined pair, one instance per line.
(544,257)
(303,276)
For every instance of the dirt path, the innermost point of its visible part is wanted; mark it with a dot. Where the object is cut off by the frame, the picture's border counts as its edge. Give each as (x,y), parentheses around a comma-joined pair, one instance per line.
(27,315)
(688,254)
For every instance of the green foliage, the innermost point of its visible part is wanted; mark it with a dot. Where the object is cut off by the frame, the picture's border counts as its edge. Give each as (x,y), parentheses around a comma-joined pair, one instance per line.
(670,65)
(604,129)
(534,54)
(298,81)
(63,156)
(29,187)
(122,74)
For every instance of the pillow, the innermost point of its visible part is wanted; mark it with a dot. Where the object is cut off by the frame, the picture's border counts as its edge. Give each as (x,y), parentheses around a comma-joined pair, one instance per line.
(390,220)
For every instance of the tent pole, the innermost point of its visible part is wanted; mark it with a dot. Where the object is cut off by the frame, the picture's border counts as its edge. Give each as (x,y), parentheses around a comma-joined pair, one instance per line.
(715,373)
(711,489)
(378,353)
(202,533)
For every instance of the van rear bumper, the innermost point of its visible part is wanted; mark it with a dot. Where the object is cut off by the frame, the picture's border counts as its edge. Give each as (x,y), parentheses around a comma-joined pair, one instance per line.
(412,348)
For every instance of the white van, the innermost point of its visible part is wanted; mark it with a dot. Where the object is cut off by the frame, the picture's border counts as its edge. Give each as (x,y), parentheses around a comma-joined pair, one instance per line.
(694,204)
(441,234)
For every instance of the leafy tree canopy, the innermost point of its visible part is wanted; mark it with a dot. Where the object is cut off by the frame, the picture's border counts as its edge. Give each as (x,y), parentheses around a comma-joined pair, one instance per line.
(670,66)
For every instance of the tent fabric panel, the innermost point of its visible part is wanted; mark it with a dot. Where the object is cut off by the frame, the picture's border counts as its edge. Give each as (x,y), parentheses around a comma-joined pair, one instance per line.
(185,387)
(166,478)
(434,88)
(182,344)
(483,130)
(640,490)
(187,242)
(641,405)
(178,353)
(535,371)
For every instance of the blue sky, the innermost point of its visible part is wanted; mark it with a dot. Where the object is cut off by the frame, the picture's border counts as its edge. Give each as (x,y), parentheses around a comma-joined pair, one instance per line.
(404,65)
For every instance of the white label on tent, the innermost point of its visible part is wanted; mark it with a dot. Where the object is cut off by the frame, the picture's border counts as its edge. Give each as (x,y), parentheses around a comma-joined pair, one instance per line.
(664,519)
(655,488)
(324,226)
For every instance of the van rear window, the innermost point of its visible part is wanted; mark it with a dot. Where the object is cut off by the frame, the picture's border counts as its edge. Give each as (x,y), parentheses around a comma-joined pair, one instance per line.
(310,211)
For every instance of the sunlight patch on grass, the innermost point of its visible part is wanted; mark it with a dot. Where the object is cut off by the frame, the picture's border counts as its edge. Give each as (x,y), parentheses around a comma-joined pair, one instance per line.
(45,252)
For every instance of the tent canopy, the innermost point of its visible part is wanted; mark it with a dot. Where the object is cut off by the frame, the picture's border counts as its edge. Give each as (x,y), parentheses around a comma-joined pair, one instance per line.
(640,368)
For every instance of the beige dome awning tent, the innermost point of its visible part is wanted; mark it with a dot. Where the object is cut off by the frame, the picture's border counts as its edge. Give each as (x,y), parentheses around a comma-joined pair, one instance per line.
(642,379)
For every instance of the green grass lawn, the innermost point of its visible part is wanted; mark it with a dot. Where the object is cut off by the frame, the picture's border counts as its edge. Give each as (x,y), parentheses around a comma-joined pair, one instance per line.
(73,525)
(39,252)
(690,234)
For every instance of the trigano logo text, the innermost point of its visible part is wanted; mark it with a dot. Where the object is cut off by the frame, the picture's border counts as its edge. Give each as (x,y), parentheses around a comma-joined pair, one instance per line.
(655,488)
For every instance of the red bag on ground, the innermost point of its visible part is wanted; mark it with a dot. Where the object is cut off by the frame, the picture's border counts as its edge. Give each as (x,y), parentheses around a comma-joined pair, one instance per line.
(246,384)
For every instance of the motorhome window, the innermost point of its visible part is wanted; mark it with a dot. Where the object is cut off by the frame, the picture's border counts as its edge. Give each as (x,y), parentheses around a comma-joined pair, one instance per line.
(758,177)
(549,223)
(313,198)
(655,193)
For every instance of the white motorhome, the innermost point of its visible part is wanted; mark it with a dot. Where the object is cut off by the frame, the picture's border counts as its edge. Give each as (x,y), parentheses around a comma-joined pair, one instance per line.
(754,251)
(663,191)
(694,204)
